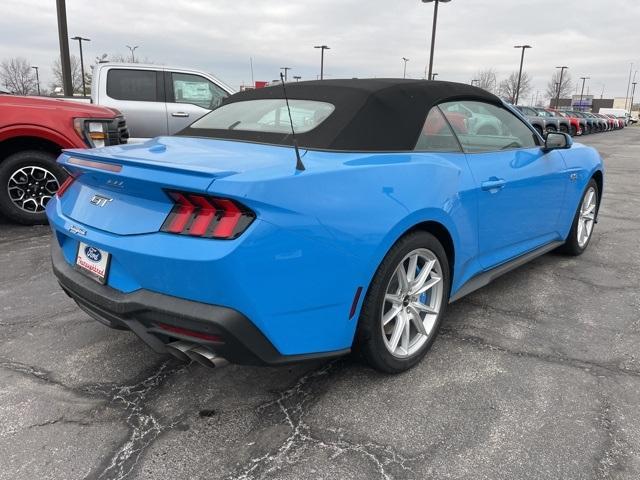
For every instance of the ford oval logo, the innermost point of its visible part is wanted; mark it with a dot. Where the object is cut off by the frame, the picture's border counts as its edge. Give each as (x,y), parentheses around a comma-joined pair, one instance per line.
(93,254)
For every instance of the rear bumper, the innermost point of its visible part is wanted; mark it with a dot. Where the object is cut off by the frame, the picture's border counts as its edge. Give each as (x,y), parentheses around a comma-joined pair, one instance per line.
(142,311)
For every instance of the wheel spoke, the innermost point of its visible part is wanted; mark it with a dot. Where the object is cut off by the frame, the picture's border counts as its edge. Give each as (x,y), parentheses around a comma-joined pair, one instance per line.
(394,299)
(421,307)
(423,275)
(401,274)
(434,280)
(398,330)
(391,314)
(406,333)
(413,267)
(414,315)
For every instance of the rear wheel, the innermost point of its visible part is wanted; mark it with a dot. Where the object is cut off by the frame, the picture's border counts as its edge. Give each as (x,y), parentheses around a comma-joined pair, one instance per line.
(564,129)
(28,180)
(583,221)
(551,128)
(405,303)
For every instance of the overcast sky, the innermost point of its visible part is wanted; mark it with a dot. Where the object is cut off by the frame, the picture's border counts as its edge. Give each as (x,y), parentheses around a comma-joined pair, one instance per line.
(595,38)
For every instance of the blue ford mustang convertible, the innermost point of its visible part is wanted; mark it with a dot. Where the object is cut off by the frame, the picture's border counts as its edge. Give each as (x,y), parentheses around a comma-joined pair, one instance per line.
(227,243)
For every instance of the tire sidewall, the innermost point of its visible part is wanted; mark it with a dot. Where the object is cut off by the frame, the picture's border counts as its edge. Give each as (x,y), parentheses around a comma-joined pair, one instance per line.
(369,326)
(9,166)
(572,245)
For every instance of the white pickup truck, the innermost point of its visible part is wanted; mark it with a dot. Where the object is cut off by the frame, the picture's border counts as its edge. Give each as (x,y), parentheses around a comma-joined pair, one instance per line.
(156,99)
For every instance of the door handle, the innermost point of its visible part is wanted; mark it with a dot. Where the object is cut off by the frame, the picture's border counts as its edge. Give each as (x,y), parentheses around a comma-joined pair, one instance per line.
(493,184)
(179,114)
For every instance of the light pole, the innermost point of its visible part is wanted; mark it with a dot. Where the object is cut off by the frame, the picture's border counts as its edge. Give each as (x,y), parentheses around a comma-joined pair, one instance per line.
(433,76)
(65,62)
(286,69)
(626,98)
(584,79)
(322,49)
(562,69)
(433,30)
(404,73)
(633,92)
(523,47)
(132,49)
(297,78)
(37,79)
(80,40)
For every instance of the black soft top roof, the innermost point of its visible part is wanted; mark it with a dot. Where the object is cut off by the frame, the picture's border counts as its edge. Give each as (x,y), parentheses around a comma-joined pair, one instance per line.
(370,114)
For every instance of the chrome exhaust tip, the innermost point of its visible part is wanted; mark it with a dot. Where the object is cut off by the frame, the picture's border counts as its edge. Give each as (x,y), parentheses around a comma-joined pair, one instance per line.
(187,351)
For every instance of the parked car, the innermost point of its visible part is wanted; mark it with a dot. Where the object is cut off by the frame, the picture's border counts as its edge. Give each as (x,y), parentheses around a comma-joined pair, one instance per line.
(534,118)
(618,122)
(33,132)
(156,100)
(563,123)
(591,125)
(618,113)
(610,123)
(224,243)
(575,127)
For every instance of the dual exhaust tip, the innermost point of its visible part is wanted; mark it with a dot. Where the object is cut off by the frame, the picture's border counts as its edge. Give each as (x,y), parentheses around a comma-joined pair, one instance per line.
(188,351)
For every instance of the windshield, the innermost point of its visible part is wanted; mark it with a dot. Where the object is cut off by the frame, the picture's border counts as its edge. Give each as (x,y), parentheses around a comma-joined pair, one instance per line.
(268,115)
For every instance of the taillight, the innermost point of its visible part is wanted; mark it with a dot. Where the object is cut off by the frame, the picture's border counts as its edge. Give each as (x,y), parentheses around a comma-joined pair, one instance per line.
(65,185)
(204,216)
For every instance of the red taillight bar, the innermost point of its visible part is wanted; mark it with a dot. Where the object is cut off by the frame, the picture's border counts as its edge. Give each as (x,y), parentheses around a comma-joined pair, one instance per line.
(203,216)
(65,185)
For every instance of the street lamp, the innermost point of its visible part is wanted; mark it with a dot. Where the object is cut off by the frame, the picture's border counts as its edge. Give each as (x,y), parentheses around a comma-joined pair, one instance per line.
(37,79)
(80,40)
(584,79)
(433,30)
(132,49)
(562,69)
(286,69)
(322,49)
(523,47)
(433,76)
(633,92)
(405,60)
(297,78)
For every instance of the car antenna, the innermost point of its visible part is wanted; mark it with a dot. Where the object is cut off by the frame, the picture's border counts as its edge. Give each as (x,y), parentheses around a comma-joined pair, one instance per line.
(299,164)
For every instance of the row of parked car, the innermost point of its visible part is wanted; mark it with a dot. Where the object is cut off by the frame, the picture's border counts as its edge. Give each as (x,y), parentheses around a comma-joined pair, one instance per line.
(570,121)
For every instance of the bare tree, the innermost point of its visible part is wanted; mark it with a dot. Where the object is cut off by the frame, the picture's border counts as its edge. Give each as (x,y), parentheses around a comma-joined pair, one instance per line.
(76,75)
(17,76)
(120,58)
(508,86)
(565,89)
(487,80)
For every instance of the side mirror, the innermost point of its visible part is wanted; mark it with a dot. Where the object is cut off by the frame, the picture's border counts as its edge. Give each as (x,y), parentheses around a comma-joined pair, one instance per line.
(557,140)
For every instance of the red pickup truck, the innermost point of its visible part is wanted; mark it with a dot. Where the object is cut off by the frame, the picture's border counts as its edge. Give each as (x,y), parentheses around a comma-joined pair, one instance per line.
(33,132)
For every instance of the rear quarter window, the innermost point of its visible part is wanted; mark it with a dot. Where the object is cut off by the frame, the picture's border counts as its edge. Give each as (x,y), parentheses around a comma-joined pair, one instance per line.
(138,85)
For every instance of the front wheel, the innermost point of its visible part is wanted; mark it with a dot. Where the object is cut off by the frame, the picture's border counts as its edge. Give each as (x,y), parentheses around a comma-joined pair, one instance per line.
(583,221)
(405,303)
(28,180)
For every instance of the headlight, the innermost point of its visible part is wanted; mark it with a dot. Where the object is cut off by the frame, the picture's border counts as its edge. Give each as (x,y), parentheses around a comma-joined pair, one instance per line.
(93,132)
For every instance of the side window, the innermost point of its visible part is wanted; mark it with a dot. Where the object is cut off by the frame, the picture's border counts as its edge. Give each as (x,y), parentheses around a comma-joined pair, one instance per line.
(197,90)
(483,127)
(436,134)
(139,85)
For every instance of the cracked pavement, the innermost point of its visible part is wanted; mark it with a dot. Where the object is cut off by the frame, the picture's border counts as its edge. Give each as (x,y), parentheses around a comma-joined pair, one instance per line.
(536,376)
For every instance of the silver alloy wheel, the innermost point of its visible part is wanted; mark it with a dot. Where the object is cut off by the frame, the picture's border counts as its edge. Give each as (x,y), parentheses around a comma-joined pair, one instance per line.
(587,217)
(31,187)
(412,302)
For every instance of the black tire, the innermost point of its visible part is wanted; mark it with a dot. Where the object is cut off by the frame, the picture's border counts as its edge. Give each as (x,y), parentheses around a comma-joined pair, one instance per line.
(571,245)
(573,131)
(551,128)
(539,130)
(44,161)
(369,336)
(564,129)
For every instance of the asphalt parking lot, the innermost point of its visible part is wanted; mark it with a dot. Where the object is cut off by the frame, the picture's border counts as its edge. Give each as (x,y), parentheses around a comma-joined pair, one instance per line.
(536,376)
